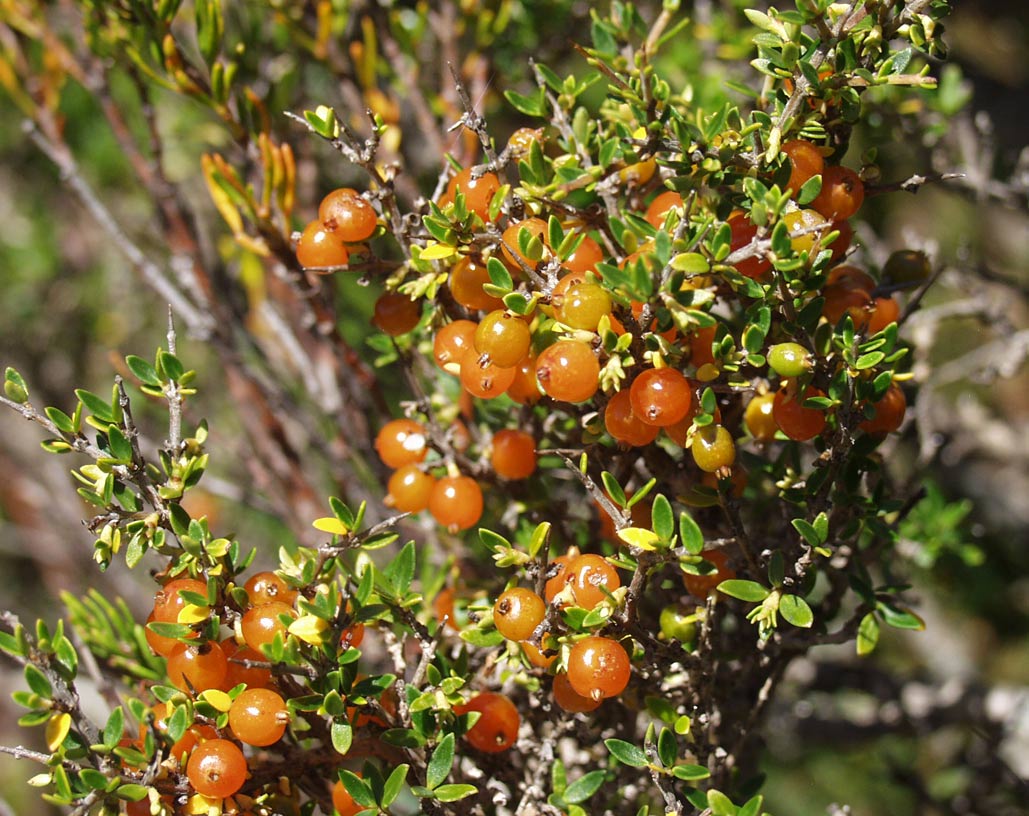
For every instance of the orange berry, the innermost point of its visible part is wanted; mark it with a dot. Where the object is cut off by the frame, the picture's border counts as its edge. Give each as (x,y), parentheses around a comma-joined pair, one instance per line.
(850,277)
(168,603)
(591,578)
(841,300)
(266,587)
(558,581)
(842,194)
(451,343)
(343,802)
(568,371)
(348,215)
(409,489)
(258,717)
(159,643)
(467,278)
(514,454)
(794,420)
(660,396)
(261,624)
(401,442)
(497,727)
(456,502)
(320,248)
(517,613)
(700,586)
(478,192)
(511,249)
(396,313)
(624,425)
(889,412)
(700,342)
(536,657)
(485,380)
(237,673)
(198,667)
(659,207)
(585,257)
(885,310)
(568,699)
(504,336)
(805,162)
(598,668)
(217,768)
(524,388)
(743,232)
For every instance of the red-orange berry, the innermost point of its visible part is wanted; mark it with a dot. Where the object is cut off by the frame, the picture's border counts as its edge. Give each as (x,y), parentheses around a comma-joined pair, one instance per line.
(504,336)
(592,579)
(396,314)
(217,768)
(568,371)
(850,277)
(511,251)
(237,673)
(598,668)
(743,232)
(261,624)
(198,667)
(569,699)
(889,413)
(699,586)
(885,310)
(343,802)
(409,489)
(517,613)
(456,502)
(401,442)
(451,343)
(258,717)
(483,378)
(467,278)
(842,194)
(320,248)
(524,388)
(805,162)
(266,587)
(478,192)
(700,343)
(624,425)
(585,257)
(794,420)
(536,657)
(841,300)
(659,207)
(345,213)
(497,727)
(660,396)
(514,454)
(168,603)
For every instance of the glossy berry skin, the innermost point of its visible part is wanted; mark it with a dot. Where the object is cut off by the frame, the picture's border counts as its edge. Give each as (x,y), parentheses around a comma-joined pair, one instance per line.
(401,442)
(850,277)
(842,194)
(467,278)
(713,448)
(524,388)
(517,613)
(217,768)
(266,587)
(743,232)
(623,425)
(598,668)
(659,207)
(805,162)
(343,802)
(789,359)
(700,343)
(559,580)
(583,306)
(261,624)
(759,419)
(396,314)
(348,215)
(889,413)
(521,141)
(504,337)
(485,380)
(409,489)
(456,502)
(842,243)
(320,248)
(198,667)
(794,420)
(511,249)
(497,727)
(443,608)
(806,228)
(514,454)
(237,673)
(585,257)
(841,300)
(661,396)
(676,624)
(536,657)
(885,310)
(478,192)
(700,586)
(258,717)
(591,578)
(568,699)
(168,603)
(568,371)
(451,343)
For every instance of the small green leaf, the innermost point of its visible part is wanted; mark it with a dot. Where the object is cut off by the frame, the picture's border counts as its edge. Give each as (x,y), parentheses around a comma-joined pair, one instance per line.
(114,728)
(807,531)
(720,804)
(453,793)
(15,387)
(692,263)
(143,371)
(626,753)
(744,590)
(796,611)
(663,518)
(690,534)
(359,790)
(870,360)
(899,617)
(342,735)
(667,748)
(442,761)
(690,773)
(37,681)
(868,634)
(394,782)
(752,807)
(64,423)
(584,787)
(499,274)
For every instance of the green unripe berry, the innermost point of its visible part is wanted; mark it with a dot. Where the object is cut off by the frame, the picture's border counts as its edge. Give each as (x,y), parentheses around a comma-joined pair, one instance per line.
(676,624)
(789,359)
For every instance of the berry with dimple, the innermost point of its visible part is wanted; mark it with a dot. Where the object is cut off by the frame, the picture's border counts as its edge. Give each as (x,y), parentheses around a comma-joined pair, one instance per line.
(451,343)
(511,250)
(504,336)
(713,448)
(514,454)
(266,587)
(889,413)
(409,489)
(168,603)
(585,257)
(700,586)
(467,278)
(759,419)
(321,248)
(483,378)
(885,310)
(568,699)
(624,425)
(258,717)
(582,306)
(199,667)
(598,667)
(217,768)
(568,371)
(659,207)
(661,396)
(236,672)
(742,233)
(789,359)
(907,266)
(478,192)
(497,727)
(401,442)
(396,314)
(794,420)
(806,227)
(591,578)
(260,624)
(524,388)
(842,194)
(456,502)
(805,162)
(345,213)
(517,613)
(343,802)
